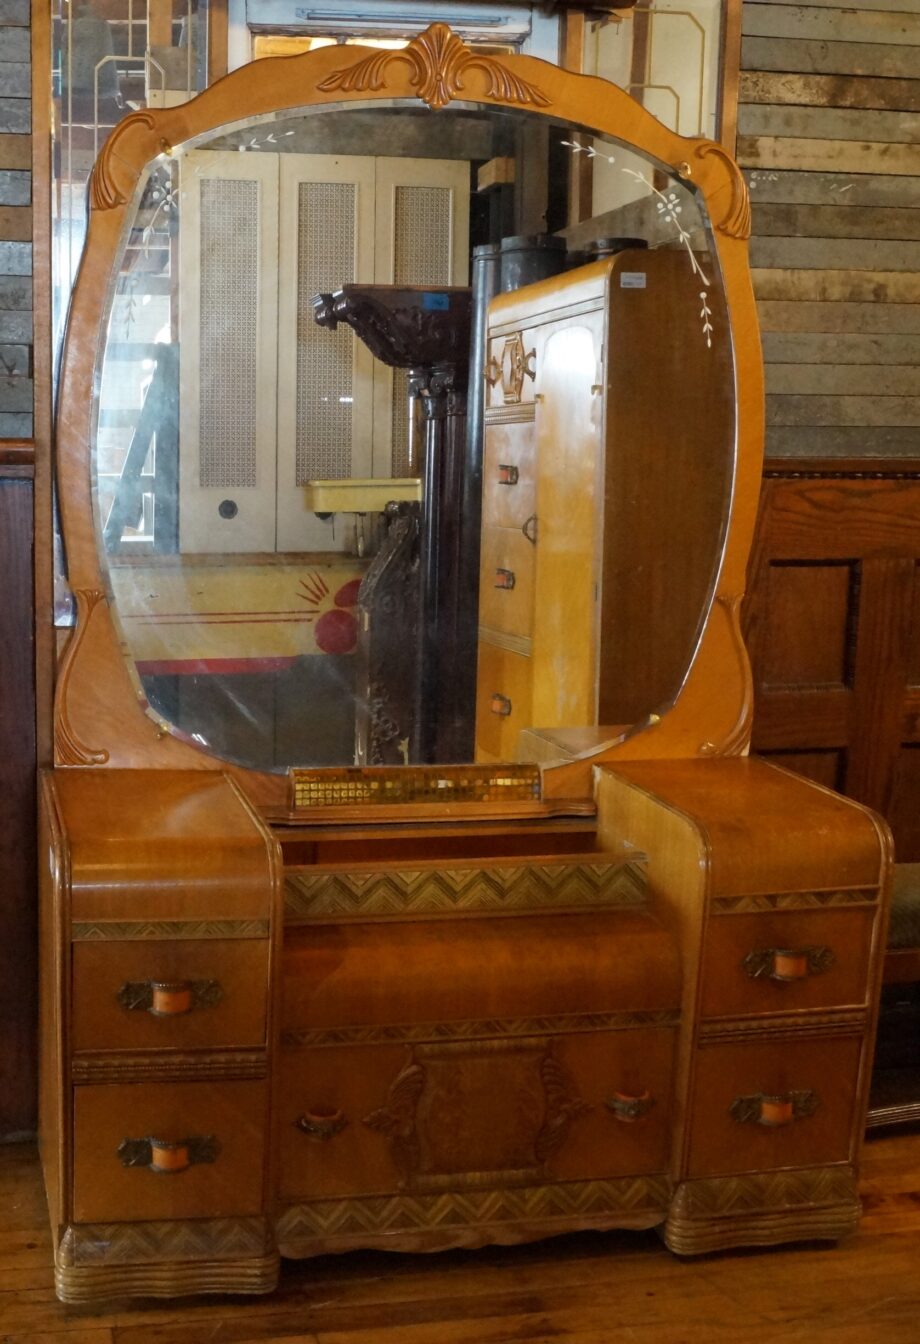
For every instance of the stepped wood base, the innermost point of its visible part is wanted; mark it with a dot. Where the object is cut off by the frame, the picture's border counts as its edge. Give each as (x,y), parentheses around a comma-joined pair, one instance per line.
(166,1259)
(762,1209)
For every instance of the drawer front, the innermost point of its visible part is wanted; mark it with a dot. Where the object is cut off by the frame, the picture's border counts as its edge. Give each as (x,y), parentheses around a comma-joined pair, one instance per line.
(511,369)
(159,1150)
(457,1114)
(504,684)
(508,494)
(774,963)
(506,581)
(174,994)
(763,1105)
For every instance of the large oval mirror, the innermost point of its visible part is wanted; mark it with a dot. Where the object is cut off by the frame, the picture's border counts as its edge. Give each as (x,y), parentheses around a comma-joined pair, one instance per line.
(353,510)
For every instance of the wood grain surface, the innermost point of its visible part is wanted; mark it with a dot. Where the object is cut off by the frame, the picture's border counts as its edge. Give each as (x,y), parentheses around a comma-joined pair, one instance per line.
(579,1289)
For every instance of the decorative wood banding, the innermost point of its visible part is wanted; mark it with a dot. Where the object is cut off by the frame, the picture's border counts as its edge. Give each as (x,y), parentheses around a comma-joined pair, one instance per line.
(527,886)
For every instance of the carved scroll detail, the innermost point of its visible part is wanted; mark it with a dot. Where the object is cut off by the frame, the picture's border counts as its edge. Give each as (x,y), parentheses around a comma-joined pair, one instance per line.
(397,1119)
(736,222)
(105,189)
(70,750)
(439,59)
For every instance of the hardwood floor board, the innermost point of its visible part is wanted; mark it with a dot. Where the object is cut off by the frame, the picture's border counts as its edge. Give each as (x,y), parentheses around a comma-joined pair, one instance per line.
(65,1336)
(590,1288)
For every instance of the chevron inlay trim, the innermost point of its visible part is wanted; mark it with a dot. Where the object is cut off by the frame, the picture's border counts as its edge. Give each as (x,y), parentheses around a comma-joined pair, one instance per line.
(377,1215)
(726,1195)
(146,1243)
(560,1023)
(524,887)
(793,900)
(129,931)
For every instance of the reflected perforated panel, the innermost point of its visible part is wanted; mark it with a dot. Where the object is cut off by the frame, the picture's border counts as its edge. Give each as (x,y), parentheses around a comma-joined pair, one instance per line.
(421,256)
(229,330)
(325,359)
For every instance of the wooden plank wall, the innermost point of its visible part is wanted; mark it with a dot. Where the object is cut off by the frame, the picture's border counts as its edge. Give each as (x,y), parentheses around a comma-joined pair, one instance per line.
(829,135)
(17,650)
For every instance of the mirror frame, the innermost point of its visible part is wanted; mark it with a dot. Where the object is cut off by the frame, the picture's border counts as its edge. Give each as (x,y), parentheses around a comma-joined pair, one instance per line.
(100,717)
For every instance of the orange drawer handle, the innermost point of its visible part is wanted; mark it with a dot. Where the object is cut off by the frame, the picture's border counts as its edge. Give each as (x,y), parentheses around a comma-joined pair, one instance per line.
(787,964)
(321,1126)
(504,579)
(774,1110)
(508,474)
(500,705)
(168,1157)
(628,1108)
(169,998)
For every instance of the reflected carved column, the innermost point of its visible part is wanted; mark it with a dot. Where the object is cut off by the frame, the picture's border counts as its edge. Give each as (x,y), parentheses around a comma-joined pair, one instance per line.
(426,332)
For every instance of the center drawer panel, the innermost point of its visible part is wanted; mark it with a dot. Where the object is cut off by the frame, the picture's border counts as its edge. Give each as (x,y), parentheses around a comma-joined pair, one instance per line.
(178,994)
(461,1113)
(218,1129)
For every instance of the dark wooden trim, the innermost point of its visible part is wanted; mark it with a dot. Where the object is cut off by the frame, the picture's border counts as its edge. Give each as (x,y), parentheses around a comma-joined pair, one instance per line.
(855,468)
(729,75)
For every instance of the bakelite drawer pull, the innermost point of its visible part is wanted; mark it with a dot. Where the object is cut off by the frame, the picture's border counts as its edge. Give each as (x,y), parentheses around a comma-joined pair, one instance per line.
(529,528)
(787,964)
(504,579)
(322,1127)
(169,998)
(628,1108)
(168,1157)
(774,1111)
(508,474)
(500,704)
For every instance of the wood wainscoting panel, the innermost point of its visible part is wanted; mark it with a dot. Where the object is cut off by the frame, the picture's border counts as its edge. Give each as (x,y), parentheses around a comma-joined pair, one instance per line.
(832,621)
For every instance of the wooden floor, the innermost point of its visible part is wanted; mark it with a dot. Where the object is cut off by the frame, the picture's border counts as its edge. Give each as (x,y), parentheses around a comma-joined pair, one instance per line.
(611,1288)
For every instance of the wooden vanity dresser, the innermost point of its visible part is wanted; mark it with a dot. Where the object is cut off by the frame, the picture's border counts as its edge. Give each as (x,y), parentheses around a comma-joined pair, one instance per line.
(611,973)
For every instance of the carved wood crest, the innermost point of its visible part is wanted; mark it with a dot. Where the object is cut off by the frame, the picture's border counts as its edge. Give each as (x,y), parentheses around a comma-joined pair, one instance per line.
(439,60)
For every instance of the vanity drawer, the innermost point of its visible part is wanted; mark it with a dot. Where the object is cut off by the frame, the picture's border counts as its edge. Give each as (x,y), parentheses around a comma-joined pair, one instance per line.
(503,699)
(506,581)
(207,1156)
(775,963)
(461,1114)
(175,994)
(768,1104)
(508,493)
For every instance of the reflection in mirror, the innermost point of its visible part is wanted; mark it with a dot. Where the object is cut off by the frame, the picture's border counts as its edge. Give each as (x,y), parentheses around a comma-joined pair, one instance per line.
(390,464)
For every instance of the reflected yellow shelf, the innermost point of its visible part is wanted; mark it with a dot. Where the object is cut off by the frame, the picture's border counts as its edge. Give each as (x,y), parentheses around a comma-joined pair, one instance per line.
(359,495)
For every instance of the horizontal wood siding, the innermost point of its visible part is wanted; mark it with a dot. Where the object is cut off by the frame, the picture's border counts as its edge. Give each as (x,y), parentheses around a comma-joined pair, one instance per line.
(829,136)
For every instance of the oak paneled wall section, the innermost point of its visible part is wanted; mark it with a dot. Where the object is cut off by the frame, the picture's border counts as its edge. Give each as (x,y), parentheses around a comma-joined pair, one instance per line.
(829,135)
(832,622)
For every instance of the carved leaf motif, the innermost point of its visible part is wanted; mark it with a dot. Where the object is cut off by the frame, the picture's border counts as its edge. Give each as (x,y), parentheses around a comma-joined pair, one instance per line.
(563,1105)
(736,221)
(106,188)
(396,1120)
(438,58)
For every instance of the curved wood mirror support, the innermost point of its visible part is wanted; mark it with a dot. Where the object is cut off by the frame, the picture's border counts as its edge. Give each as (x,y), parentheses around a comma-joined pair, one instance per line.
(101,712)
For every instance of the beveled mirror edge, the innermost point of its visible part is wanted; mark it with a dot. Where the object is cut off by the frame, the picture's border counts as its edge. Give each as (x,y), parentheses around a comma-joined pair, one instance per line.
(100,716)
